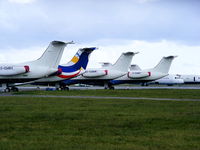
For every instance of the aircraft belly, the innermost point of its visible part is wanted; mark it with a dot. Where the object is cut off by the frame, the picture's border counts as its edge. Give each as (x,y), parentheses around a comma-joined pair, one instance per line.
(18,80)
(89,81)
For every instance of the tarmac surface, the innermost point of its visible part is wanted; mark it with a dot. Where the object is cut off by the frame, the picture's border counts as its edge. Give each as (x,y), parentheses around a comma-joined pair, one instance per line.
(99,97)
(104,97)
(43,88)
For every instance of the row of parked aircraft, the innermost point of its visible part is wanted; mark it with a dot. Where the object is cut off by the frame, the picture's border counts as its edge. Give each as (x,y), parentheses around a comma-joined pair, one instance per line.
(47,71)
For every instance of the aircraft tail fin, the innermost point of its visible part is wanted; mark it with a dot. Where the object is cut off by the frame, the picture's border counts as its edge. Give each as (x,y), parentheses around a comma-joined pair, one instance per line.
(164,65)
(77,64)
(123,62)
(51,57)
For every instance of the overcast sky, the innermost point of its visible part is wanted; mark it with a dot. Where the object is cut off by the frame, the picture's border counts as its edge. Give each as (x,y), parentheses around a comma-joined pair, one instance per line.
(155,28)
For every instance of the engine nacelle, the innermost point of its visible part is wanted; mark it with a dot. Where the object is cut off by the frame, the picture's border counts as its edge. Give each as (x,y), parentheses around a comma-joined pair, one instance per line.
(9,70)
(94,73)
(138,74)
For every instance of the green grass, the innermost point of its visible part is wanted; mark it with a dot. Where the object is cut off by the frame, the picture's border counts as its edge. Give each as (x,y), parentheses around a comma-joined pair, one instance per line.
(154,93)
(95,124)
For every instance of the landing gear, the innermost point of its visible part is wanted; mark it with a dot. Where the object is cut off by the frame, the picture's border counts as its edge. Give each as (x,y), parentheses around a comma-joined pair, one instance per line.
(108,86)
(65,88)
(145,84)
(111,87)
(6,90)
(12,89)
(61,87)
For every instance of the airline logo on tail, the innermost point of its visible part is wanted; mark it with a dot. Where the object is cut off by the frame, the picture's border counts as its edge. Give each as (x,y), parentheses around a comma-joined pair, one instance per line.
(77,64)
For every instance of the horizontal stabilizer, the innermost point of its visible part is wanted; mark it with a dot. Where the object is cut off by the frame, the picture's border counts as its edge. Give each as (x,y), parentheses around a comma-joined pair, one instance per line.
(105,64)
(135,67)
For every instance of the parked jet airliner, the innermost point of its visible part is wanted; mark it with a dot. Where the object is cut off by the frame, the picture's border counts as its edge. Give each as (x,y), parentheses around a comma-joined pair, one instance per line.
(45,66)
(169,80)
(190,79)
(103,75)
(136,75)
(73,68)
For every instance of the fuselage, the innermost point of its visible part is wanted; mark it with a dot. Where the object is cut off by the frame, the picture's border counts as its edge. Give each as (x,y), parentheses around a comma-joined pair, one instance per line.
(131,80)
(33,73)
(169,80)
(96,77)
(190,79)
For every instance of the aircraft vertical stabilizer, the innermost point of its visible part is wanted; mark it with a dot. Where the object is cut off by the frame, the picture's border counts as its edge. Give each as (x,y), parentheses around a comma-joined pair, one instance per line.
(124,62)
(77,64)
(164,65)
(51,57)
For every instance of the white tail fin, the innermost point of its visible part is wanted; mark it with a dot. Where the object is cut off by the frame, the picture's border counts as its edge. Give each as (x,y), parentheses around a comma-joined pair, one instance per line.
(51,57)
(164,65)
(123,62)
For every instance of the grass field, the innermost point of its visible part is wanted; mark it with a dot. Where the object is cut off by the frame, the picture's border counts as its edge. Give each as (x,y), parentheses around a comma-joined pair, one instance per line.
(96,124)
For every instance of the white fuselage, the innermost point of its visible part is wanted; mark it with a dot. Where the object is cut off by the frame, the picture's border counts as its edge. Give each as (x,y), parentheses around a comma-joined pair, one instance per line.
(190,79)
(145,76)
(11,72)
(100,74)
(169,80)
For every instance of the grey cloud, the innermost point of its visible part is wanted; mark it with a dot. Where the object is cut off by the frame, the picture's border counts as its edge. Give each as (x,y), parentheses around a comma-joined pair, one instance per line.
(93,20)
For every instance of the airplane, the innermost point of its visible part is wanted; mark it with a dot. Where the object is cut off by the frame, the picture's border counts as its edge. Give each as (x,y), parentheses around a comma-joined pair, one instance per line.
(43,67)
(190,79)
(102,76)
(138,76)
(179,79)
(73,68)
(170,80)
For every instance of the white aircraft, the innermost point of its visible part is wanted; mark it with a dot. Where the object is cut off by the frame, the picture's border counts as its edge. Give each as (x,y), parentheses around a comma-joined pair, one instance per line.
(190,79)
(103,75)
(136,75)
(73,68)
(45,66)
(169,80)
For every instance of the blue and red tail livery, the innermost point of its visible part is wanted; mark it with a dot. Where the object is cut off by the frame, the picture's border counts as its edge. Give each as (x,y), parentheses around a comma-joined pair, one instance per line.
(77,64)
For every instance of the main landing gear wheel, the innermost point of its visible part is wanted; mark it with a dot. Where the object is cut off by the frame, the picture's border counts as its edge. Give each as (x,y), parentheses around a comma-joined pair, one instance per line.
(65,88)
(112,88)
(7,90)
(62,88)
(14,89)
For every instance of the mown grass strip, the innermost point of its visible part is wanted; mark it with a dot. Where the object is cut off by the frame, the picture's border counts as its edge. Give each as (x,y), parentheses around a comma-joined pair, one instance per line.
(88,124)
